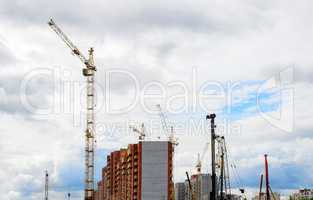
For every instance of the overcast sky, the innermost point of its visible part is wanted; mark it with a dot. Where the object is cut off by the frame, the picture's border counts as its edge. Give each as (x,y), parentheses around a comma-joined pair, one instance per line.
(248,61)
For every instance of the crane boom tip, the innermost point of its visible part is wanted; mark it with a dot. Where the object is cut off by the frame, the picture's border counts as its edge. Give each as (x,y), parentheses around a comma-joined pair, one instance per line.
(51,22)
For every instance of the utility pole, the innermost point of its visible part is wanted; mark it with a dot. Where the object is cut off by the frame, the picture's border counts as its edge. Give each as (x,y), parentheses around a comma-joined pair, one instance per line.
(213,136)
(268,197)
(89,71)
(46,185)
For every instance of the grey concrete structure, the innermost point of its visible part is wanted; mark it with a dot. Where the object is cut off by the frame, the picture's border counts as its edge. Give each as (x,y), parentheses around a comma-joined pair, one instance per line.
(180,191)
(205,186)
(154,170)
(201,187)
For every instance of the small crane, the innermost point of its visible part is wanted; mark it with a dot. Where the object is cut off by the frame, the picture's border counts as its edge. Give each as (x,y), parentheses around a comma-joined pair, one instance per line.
(198,165)
(88,72)
(201,158)
(192,192)
(168,130)
(140,131)
(261,186)
(46,185)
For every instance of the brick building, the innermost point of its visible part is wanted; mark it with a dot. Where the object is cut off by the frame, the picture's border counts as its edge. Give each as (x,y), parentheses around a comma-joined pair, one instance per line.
(303,194)
(262,196)
(143,171)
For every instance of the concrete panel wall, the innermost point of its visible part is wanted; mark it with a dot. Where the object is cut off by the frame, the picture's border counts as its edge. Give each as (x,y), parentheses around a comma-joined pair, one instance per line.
(206,186)
(154,170)
(180,191)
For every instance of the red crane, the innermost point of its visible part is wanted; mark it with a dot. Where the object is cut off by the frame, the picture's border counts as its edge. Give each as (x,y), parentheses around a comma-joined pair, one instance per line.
(268,197)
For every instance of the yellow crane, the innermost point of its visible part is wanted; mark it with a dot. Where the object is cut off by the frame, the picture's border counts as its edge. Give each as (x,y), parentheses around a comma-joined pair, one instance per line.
(88,72)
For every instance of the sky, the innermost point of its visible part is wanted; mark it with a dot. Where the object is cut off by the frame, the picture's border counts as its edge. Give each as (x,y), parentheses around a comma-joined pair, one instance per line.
(248,61)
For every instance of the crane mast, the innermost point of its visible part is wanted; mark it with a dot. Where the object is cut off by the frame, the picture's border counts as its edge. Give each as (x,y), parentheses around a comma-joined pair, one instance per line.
(198,165)
(89,73)
(200,159)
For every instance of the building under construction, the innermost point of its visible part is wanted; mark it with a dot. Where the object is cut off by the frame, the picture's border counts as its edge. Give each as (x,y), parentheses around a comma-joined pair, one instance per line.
(142,171)
(201,185)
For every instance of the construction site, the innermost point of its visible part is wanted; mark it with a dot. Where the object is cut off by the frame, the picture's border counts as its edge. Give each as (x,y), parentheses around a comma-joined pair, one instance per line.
(144,170)
(156,100)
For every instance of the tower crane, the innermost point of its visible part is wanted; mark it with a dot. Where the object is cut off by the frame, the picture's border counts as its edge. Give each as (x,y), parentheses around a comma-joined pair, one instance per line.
(201,158)
(192,192)
(168,130)
(46,185)
(88,72)
(140,131)
(198,165)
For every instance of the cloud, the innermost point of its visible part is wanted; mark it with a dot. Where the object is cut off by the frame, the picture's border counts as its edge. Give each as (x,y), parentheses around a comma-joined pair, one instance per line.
(37,92)
(303,74)
(6,56)
(140,16)
(31,148)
